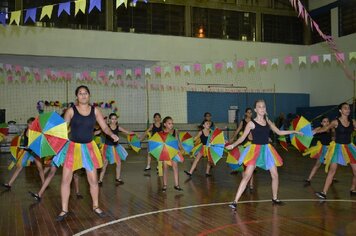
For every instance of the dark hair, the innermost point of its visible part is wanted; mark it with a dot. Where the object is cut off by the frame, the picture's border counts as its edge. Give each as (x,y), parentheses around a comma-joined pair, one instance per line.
(81,87)
(207,113)
(113,114)
(157,114)
(340,107)
(248,109)
(166,119)
(31,119)
(201,126)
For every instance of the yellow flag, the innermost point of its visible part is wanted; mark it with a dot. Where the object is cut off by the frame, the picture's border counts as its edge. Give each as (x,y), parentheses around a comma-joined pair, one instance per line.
(119,2)
(46,11)
(80,5)
(15,17)
(352,55)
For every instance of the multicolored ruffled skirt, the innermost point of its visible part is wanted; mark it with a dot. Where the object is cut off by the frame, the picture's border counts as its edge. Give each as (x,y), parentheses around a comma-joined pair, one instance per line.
(75,156)
(263,156)
(200,148)
(114,154)
(317,151)
(341,154)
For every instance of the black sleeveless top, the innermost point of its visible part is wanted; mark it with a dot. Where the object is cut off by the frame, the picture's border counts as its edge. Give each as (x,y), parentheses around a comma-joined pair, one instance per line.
(324,138)
(25,138)
(108,139)
(203,138)
(342,133)
(156,129)
(260,133)
(82,126)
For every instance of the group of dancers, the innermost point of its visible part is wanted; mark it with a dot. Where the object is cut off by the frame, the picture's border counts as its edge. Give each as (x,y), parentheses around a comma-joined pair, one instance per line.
(81,151)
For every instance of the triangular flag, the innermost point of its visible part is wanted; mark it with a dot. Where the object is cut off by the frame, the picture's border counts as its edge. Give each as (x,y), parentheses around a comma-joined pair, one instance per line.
(31,14)
(340,56)
(263,62)
(80,5)
(46,11)
(147,71)
(186,69)
(251,64)
(3,18)
(208,68)
(314,59)
(15,17)
(302,60)
(167,70)
(119,2)
(65,6)
(94,4)
(229,65)
(288,60)
(128,73)
(275,61)
(352,55)
(327,57)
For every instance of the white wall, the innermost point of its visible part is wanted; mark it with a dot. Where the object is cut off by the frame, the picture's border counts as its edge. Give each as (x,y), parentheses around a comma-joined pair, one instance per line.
(324,82)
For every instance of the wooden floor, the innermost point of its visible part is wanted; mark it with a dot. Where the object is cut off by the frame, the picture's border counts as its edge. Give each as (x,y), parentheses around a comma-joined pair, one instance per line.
(140,208)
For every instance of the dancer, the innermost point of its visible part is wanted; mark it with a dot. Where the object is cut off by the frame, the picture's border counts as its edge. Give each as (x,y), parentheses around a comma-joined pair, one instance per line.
(260,153)
(154,128)
(200,152)
(25,159)
(207,116)
(167,124)
(242,125)
(81,151)
(112,151)
(319,150)
(341,151)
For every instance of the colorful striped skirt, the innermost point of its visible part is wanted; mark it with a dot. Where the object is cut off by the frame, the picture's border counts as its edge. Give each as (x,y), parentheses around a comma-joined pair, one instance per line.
(75,156)
(200,148)
(317,152)
(114,154)
(263,156)
(341,154)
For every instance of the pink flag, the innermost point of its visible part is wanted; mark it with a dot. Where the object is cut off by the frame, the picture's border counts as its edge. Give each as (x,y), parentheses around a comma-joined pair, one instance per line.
(218,66)
(158,70)
(119,72)
(288,60)
(177,69)
(340,57)
(197,67)
(314,59)
(102,74)
(240,64)
(263,62)
(138,72)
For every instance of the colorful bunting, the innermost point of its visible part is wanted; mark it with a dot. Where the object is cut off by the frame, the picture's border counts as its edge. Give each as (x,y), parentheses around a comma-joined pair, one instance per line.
(327,57)
(288,60)
(46,11)
(240,64)
(302,60)
(15,17)
(3,18)
(274,62)
(65,6)
(177,69)
(31,14)
(120,2)
(147,71)
(352,55)
(94,4)
(80,5)
(251,64)
(314,59)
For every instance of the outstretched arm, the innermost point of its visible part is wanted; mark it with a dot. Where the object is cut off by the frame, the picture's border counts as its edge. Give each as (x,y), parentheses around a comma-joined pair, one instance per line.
(333,124)
(282,132)
(125,131)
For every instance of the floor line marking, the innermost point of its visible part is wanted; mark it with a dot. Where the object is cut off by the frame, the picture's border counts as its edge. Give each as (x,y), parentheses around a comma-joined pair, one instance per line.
(202,205)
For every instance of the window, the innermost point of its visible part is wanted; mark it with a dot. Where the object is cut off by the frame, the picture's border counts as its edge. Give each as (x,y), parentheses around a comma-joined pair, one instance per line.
(282,29)
(347,17)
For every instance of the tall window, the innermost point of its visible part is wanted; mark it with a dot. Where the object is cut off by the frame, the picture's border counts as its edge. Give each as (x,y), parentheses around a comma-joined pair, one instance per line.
(223,24)
(347,17)
(282,29)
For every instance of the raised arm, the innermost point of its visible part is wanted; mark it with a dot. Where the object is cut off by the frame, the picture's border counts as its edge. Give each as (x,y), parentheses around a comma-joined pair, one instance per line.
(104,127)
(281,132)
